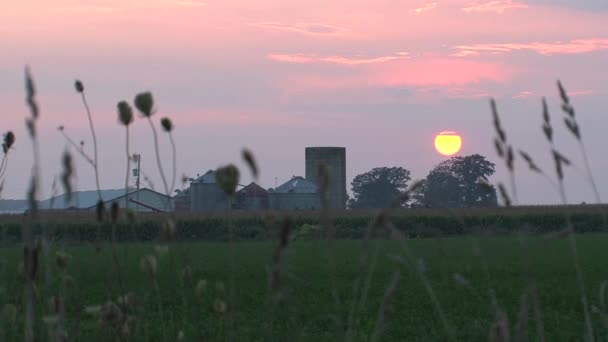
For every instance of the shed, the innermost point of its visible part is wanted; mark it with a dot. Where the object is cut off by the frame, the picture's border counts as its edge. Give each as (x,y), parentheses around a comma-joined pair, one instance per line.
(296,194)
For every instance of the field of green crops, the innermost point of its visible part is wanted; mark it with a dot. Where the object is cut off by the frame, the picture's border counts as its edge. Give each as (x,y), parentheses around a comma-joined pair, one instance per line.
(413,290)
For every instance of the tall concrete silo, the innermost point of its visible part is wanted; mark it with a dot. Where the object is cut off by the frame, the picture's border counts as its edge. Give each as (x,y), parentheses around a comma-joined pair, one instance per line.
(335,160)
(206,195)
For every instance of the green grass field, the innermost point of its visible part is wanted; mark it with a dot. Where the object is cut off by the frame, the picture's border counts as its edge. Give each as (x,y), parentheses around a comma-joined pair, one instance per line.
(317,289)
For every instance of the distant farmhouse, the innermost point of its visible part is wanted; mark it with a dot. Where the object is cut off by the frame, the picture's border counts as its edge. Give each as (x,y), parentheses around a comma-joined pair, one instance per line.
(204,195)
(142,200)
(299,193)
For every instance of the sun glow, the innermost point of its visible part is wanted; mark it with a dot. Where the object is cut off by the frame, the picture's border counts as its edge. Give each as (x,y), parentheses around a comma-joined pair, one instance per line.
(448,143)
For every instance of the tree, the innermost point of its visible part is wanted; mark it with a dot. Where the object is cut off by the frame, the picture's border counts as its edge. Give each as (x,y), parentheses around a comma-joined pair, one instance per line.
(454,184)
(378,187)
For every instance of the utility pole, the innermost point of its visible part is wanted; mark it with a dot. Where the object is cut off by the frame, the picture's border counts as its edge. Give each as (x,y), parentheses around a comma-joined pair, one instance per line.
(137,173)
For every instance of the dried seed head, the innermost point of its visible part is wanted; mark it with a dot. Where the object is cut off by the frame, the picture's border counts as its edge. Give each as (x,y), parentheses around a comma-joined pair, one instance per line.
(250,161)
(499,331)
(497,127)
(9,140)
(31,128)
(30,91)
(111,315)
(548,132)
(161,250)
(66,175)
(125,113)
(200,288)
(93,310)
(530,162)
(168,229)
(220,288)
(460,279)
(499,149)
(560,160)
(562,92)
(114,211)
(228,179)
(30,88)
(166,124)
(219,306)
(186,273)
(144,102)
(573,127)
(510,157)
(546,117)
(504,195)
(148,265)
(100,211)
(79,86)
(62,259)
(129,300)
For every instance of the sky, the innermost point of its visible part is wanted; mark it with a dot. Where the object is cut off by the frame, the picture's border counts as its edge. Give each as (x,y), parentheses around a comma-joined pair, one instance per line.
(379,77)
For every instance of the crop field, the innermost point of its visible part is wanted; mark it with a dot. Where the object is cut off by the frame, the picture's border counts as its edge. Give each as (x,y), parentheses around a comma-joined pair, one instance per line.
(435,289)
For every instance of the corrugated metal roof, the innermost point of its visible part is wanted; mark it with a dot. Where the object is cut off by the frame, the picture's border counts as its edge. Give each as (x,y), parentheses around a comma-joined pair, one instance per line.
(298,185)
(208,177)
(81,199)
(253,190)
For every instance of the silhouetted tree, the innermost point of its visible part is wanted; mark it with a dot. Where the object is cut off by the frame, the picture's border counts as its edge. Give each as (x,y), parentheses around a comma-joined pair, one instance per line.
(378,187)
(454,183)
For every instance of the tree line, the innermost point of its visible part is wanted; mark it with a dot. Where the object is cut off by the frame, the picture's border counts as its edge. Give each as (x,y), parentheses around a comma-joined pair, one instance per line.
(458,182)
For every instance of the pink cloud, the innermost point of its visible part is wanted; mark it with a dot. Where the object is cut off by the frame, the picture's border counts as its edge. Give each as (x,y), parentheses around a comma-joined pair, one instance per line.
(577,93)
(426,80)
(523,95)
(191,3)
(351,61)
(304,28)
(442,72)
(425,8)
(496,6)
(571,47)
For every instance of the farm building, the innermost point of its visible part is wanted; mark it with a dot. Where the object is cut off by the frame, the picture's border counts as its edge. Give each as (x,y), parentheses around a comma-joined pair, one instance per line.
(296,194)
(206,195)
(251,198)
(334,158)
(183,200)
(142,200)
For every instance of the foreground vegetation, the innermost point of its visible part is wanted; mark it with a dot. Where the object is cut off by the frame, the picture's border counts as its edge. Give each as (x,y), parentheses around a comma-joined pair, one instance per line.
(211,291)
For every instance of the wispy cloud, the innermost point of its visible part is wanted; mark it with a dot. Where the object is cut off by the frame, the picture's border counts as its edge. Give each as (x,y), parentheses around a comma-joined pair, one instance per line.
(91,8)
(523,95)
(442,72)
(342,60)
(556,48)
(425,8)
(585,92)
(495,6)
(304,28)
(191,3)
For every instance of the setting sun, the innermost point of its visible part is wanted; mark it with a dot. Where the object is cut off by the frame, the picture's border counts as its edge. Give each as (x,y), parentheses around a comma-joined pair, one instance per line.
(448,143)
